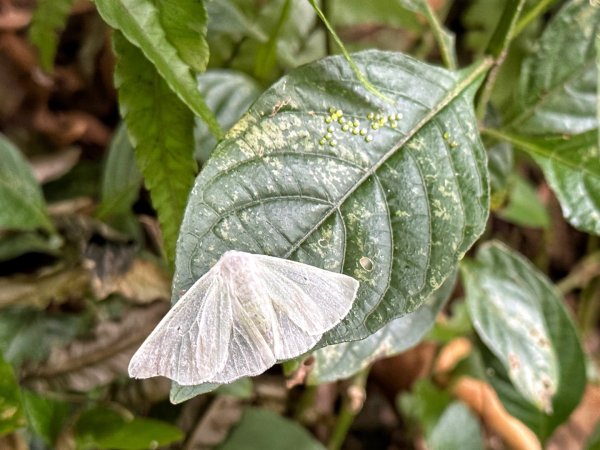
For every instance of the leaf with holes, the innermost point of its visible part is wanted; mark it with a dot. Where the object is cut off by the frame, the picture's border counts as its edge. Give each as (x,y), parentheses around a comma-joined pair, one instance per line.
(558,82)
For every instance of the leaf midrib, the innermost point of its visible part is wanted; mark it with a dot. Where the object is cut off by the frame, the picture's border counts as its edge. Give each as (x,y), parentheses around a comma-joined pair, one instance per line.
(454,93)
(540,151)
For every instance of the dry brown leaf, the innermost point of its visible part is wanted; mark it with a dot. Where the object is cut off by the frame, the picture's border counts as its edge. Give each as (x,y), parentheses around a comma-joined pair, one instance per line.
(143,282)
(223,413)
(102,357)
(581,424)
(12,19)
(55,284)
(53,166)
(482,399)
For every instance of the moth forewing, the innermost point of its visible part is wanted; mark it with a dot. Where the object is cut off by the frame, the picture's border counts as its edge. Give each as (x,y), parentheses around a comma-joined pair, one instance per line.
(246,313)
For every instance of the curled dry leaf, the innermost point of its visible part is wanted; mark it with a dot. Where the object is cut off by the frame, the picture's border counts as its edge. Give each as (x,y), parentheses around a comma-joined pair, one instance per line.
(12,19)
(215,424)
(575,432)
(482,398)
(52,284)
(142,283)
(100,358)
(53,166)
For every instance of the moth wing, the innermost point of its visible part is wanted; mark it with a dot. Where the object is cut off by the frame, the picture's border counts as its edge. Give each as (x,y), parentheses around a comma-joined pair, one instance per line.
(314,299)
(191,342)
(252,339)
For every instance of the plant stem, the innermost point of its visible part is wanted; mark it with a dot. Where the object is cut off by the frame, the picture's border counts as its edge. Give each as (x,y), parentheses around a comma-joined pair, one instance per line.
(582,274)
(498,48)
(531,15)
(441,36)
(361,76)
(326,7)
(351,406)
(589,307)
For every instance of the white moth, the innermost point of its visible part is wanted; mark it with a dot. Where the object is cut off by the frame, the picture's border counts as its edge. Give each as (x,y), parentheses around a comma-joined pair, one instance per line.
(241,317)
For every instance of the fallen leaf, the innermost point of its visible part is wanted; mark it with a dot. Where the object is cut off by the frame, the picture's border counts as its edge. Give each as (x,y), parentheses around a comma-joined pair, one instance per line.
(99,359)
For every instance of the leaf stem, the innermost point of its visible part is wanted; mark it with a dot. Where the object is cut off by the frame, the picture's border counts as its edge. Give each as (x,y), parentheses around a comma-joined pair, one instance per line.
(326,7)
(351,405)
(581,275)
(361,76)
(531,15)
(498,49)
(439,33)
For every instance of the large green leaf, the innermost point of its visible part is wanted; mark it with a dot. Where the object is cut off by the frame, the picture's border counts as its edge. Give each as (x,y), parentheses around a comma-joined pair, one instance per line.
(104,428)
(571,166)
(48,20)
(121,179)
(140,22)
(395,208)
(522,320)
(29,335)
(424,404)
(446,434)
(524,207)
(45,416)
(558,83)
(11,412)
(343,360)
(161,129)
(260,429)
(229,94)
(23,206)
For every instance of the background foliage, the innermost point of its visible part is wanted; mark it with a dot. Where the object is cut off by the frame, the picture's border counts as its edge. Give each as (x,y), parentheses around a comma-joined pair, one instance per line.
(450,164)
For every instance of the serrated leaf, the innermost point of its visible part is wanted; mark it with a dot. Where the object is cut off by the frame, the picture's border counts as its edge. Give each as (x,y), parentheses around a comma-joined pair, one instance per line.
(522,320)
(23,206)
(558,83)
(140,22)
(47,22)
(121,179)
(184,22)
(229,94)
(339,361)
(571,166)
(161,131)
(271,188)
(11,412)
(45,416)
(261,429)
(446,434)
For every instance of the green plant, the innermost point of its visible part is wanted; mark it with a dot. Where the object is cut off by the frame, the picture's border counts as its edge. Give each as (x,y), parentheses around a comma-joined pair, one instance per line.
(377,163)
